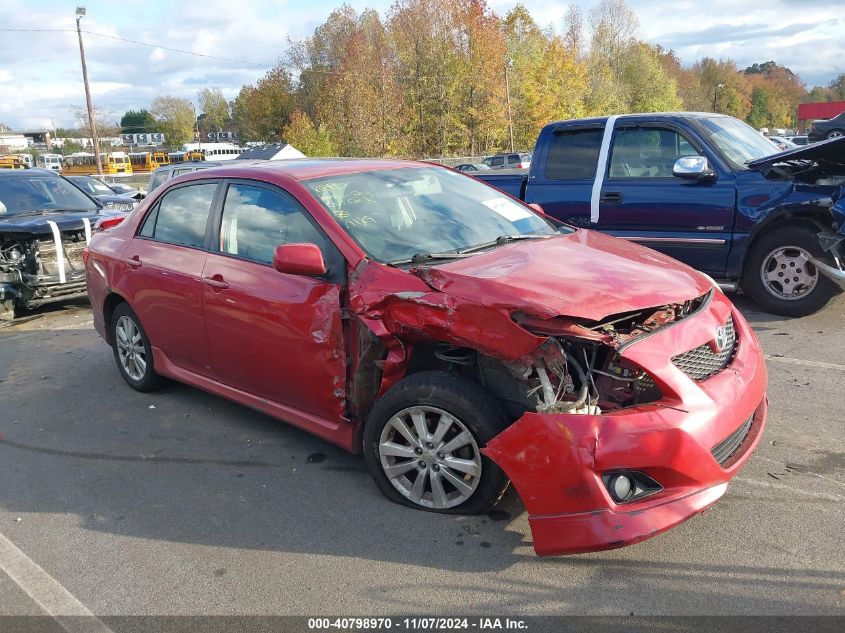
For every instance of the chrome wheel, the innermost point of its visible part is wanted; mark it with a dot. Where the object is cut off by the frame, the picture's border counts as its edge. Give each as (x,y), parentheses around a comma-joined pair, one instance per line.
(130,348)
(787,273)
(430,457)
(834,134)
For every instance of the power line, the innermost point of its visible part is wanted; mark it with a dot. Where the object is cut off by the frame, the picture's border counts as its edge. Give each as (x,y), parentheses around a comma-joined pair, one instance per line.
(124,39)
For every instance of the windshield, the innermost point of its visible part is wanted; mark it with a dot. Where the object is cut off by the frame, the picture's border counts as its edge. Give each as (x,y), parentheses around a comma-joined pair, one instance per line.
(399,213)
(41,193)
(739,142)
(92,185)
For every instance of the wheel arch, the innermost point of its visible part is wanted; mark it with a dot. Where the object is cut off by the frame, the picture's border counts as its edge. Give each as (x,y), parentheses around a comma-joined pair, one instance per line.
(110,303)
(815,217)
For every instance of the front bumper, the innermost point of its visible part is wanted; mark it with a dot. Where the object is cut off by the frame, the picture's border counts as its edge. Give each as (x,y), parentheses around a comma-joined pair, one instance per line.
(556,461)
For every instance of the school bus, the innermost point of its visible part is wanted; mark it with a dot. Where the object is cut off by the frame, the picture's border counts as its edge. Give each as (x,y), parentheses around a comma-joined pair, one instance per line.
(84,164)
(9,161)
(181,157)
(147,161)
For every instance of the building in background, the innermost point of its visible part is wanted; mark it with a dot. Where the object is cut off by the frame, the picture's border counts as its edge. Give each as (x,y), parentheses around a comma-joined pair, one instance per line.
(809,112)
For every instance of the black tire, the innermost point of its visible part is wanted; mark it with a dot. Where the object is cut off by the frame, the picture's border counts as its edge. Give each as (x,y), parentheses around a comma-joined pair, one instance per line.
(465,401)
(149,380)
(834,134)
(800,237)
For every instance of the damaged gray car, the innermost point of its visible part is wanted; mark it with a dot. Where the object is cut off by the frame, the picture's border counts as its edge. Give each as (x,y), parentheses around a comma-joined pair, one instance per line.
(45,223)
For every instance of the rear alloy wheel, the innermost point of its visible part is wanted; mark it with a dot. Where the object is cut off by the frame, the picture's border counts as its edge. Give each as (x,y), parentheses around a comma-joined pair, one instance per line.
(132,350)
(422,444)
(780,276)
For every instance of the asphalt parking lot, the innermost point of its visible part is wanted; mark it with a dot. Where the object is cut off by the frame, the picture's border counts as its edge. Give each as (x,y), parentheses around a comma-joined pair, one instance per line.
(179,502)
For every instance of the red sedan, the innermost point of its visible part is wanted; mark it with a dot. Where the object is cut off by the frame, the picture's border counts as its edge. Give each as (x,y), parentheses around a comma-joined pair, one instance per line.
(455,336)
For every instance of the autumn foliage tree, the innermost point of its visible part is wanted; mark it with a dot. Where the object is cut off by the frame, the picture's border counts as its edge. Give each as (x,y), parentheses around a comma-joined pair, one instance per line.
(451,77)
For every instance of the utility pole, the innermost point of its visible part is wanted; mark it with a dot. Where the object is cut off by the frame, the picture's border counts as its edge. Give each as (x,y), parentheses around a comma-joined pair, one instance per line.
(508,96)
(716,94)
(80,12)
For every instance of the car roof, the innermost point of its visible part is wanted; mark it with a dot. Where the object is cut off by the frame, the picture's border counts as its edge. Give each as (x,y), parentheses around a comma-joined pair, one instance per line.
(308,168)
(6,173)
(645,115)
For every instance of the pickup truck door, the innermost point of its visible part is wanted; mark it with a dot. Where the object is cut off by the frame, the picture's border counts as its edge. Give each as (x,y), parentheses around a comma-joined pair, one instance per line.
(640,200)
(562,172)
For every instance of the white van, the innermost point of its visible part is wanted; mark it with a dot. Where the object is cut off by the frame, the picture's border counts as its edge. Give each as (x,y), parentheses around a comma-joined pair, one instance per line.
(50,161)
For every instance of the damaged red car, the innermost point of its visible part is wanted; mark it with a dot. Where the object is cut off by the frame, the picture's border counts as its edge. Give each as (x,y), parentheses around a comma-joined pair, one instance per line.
(458,338)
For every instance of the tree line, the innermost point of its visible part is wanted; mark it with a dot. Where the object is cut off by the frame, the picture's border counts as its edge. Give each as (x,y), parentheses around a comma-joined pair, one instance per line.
(451,77)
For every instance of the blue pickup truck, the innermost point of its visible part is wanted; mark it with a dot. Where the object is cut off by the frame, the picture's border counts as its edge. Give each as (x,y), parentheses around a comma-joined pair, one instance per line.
(706,189)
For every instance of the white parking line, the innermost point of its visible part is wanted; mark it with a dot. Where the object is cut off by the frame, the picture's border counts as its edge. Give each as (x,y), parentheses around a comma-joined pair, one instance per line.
(805,363)
(58,602)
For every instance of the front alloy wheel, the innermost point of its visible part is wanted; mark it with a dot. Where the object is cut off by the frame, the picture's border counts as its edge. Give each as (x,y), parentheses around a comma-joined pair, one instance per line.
(422,444)
(787,273)
(779,275)
(430,457)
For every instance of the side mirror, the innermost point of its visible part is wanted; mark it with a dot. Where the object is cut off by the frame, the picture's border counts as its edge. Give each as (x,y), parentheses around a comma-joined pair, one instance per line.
(299,259)
(693,168)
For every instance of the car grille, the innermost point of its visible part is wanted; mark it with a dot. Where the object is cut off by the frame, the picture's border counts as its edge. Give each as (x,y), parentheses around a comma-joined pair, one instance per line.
(723,450)
(702,362)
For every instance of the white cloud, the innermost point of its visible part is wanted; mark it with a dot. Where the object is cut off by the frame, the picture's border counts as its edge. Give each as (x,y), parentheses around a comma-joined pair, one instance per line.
(47,79)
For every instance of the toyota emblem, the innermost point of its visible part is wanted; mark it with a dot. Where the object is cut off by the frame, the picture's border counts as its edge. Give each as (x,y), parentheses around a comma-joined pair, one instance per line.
(721,338)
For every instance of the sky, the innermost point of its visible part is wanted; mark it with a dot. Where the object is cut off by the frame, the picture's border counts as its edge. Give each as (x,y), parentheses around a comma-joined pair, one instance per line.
(41,77)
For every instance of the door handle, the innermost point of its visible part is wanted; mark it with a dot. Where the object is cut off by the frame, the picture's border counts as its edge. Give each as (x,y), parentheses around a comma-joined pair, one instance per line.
(611,197)
(216,282)
(134,262)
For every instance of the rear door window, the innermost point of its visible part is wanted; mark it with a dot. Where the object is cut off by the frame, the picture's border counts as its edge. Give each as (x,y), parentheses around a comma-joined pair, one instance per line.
(573,154)
(181,216)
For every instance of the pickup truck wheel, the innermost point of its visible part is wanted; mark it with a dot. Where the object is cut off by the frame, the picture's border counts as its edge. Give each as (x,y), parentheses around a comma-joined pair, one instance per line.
(779,276)
(132,350)
(422,444)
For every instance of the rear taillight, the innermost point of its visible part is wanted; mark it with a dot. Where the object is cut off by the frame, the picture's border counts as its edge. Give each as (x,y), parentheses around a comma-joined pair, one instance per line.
(107,223)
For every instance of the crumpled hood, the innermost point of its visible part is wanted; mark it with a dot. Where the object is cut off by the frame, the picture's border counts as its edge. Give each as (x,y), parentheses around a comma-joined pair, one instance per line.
(584,275)
(39,224)
(829,153)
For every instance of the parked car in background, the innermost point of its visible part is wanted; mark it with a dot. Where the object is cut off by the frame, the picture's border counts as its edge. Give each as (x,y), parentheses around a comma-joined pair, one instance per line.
(706,189)
(123,189)
(450,333)
(827,128)
(105,194)
(508,161)
(782,142)
(798,139)
(162,174)
(45,223)
(471,167)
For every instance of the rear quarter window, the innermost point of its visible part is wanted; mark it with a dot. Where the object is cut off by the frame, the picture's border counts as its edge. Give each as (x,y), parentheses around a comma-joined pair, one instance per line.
(573,154)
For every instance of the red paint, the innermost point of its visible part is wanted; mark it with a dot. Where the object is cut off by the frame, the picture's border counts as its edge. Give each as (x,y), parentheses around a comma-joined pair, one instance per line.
(289,344)
(824,110)
(299,259)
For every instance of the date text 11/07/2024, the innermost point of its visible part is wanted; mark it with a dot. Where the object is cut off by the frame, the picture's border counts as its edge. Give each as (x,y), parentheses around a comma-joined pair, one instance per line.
(418,624)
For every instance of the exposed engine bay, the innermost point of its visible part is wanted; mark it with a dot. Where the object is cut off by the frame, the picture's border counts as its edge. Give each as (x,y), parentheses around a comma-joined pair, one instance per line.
(35,270)
(579,372)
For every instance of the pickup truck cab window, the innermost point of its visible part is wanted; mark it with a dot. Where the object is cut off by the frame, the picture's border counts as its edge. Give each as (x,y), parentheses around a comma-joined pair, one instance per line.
(647,152)
(181,216)
(573,154)
(256,220)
